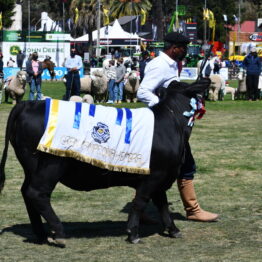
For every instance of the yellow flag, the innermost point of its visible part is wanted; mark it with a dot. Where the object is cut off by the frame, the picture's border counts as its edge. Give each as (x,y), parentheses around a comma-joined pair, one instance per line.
(106,16)
(206,14)
(1,23)
(143,16)
(212,21)
(76,15)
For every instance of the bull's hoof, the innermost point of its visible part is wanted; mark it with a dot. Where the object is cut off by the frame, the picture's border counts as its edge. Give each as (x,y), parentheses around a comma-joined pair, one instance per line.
(58,242)
(133,236)
(133,239)
(174,234)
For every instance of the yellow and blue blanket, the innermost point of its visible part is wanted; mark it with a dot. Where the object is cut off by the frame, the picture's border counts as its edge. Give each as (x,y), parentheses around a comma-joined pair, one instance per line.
(117,139)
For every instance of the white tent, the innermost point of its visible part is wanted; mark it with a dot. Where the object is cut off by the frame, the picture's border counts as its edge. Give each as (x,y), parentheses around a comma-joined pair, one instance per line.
(104,32)
(47,24)
(112,32)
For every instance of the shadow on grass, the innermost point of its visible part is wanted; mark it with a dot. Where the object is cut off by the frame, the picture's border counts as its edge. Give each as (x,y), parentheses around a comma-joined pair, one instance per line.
(85,230)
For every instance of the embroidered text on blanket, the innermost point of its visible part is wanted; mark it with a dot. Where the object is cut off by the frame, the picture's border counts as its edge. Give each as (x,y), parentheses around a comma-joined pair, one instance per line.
(118,139)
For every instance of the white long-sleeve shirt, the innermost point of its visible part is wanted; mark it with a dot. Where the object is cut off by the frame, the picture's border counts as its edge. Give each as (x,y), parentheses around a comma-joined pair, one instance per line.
(72,62)
(161,71)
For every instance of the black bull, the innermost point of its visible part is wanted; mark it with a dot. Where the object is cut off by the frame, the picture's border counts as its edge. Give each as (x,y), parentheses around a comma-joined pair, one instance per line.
(43,171)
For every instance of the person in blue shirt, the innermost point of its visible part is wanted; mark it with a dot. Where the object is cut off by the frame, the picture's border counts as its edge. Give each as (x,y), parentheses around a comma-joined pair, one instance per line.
(252,65)
(73,64)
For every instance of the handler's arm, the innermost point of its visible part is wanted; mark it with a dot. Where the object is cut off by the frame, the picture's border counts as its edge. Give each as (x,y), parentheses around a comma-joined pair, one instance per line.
(153,79)
(79,63)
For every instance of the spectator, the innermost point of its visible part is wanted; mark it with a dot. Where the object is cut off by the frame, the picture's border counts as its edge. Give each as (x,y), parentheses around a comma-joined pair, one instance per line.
(252,65)
(10,62)
(119,83)
(20,59)
(142,64)
(34,70)
(217,64)
(1,63)
(110,72)
(73,65)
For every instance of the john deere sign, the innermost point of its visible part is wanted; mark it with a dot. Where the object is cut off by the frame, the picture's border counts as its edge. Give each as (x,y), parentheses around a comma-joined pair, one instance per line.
(25,36)
(14,50)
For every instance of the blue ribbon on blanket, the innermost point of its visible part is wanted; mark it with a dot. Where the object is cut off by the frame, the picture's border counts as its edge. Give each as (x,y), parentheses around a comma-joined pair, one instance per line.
(119,117)
(128,125)
(92,110)
(77,118)
(47,109)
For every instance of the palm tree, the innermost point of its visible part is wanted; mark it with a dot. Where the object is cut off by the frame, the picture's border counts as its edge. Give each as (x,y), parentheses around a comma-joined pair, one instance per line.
(83,14)
(121,8)
(7,11)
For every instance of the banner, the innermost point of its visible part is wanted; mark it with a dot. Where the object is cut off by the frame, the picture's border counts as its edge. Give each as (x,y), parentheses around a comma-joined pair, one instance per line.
(56,50)
(25,36)
(59,72)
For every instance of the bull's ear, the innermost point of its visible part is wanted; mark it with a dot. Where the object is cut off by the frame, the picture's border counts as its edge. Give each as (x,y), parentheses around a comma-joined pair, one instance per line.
(160,92)
(178,85)
(198,87)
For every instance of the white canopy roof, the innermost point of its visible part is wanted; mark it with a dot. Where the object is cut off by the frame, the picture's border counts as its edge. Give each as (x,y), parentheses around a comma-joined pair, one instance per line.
(114,32)
(47,24)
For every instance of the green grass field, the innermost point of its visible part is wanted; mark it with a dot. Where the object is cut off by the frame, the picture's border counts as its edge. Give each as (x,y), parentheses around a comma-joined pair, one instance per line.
(227,146)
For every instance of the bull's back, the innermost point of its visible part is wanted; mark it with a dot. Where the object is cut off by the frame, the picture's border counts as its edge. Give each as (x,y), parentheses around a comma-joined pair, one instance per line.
(29,125)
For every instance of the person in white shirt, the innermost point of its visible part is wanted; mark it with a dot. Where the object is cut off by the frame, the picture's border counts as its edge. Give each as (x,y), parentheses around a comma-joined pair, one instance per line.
(160,72)
(73,64)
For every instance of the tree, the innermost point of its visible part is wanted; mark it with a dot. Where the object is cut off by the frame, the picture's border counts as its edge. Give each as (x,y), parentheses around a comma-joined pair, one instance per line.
(194,10)
(54,8)
(84,15)
(7,7)
(121,8)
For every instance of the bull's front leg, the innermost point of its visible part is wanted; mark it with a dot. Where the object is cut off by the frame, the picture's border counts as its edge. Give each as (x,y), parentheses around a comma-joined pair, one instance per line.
(160,200)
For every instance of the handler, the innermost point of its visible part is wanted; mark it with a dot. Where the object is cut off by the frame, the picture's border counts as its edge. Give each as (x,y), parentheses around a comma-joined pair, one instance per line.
(160,72)
(73,64)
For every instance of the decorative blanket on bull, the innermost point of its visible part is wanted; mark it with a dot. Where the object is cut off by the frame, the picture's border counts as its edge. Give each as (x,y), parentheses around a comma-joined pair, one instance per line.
(117,139)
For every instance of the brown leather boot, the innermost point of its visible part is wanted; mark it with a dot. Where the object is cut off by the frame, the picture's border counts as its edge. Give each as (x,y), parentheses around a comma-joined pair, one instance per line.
(192,208)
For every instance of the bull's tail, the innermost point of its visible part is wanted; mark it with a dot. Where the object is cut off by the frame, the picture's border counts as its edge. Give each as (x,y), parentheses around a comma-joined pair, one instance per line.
(10,125)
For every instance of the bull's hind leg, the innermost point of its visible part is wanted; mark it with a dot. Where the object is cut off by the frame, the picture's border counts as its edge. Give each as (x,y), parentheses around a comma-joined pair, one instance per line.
(160,200)
(34,216)
(39,192)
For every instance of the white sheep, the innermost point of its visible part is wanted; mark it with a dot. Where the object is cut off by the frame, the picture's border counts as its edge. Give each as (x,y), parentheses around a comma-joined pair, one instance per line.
(230,90)
(131,86)
(88,99)
(241,85)
(217,83)
(15,87)
(76,99)
(99,86)
(96,85)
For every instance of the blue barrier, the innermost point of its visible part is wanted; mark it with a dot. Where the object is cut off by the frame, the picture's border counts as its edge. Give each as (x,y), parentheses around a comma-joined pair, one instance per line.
(10,71)
(59,71)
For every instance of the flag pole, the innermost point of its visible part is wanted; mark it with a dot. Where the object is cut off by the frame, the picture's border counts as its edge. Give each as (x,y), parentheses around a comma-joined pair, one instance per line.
(98,29)
(63,16)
